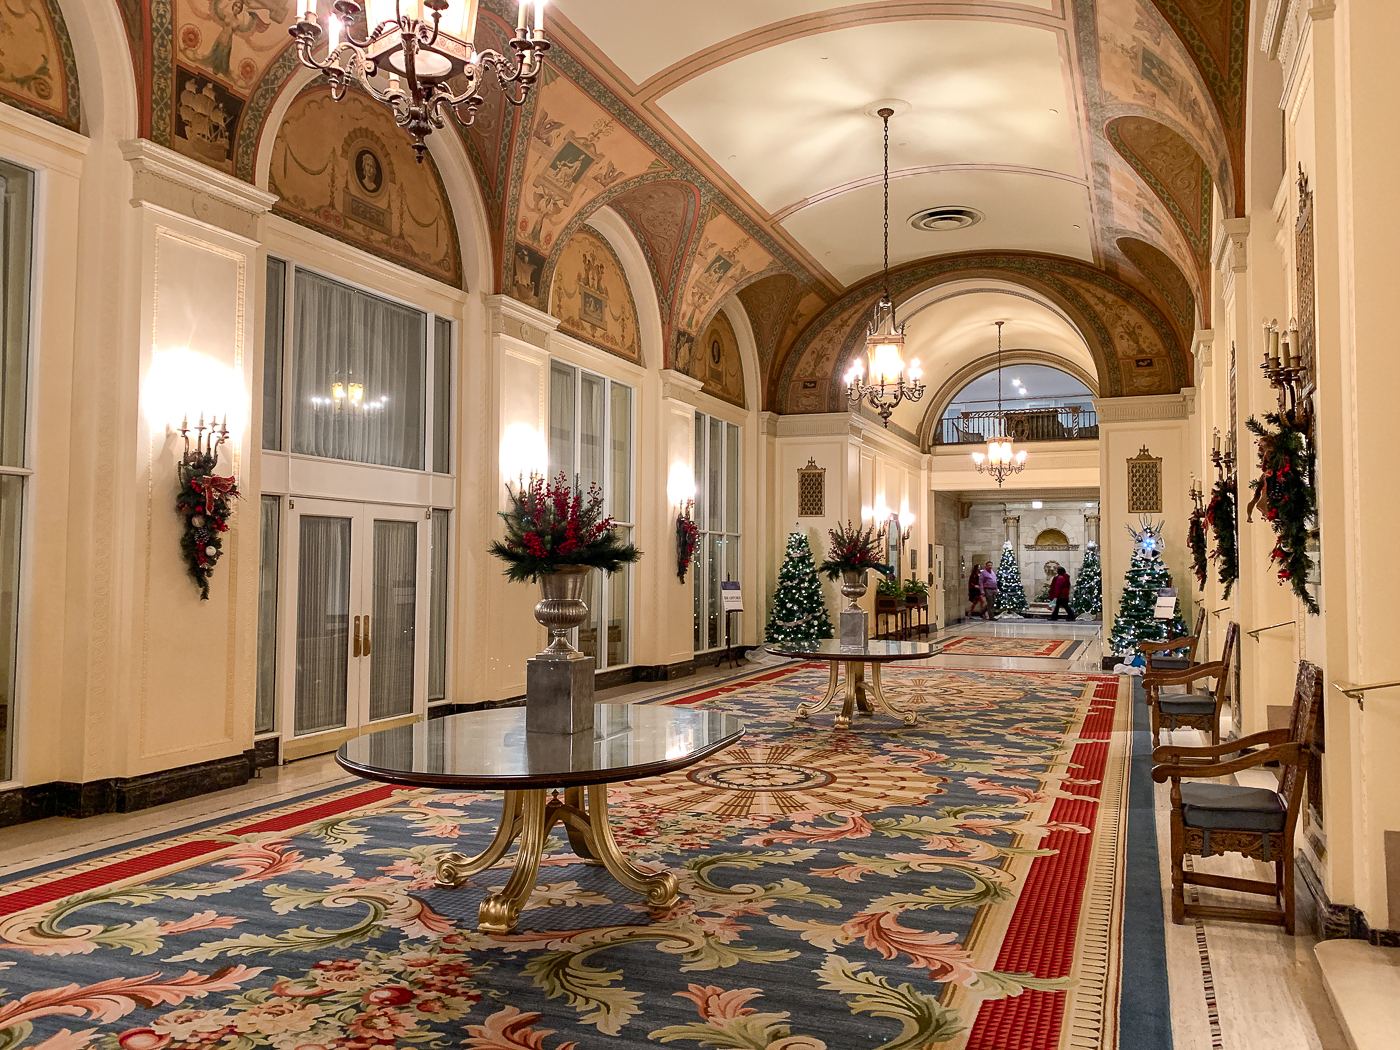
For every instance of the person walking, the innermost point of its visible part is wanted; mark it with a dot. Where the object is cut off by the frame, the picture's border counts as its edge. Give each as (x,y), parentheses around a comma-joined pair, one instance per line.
(987,579)
(974,593)
(1059,594)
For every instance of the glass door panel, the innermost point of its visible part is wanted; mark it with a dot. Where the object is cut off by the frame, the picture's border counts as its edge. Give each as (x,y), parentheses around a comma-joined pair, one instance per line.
(323,642)
(390,633)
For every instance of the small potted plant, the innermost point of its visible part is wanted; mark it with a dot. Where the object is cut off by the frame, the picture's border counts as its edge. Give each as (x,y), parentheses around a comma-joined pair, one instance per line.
(915,593)
(557,536)
(853,553)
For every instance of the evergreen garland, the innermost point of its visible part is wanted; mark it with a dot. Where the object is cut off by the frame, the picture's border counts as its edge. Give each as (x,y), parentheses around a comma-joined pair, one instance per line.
(1284,492)
(798,614)
(203,500)
(1011,595)
(1088,589)
(1196,540)
(854,549)
(1220,515)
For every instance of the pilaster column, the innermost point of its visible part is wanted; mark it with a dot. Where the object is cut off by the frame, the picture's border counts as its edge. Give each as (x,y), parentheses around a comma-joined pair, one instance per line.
(1091,528)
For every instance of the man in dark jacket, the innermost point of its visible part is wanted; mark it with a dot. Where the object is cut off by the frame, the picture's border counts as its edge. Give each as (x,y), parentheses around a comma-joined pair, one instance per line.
(1059,594)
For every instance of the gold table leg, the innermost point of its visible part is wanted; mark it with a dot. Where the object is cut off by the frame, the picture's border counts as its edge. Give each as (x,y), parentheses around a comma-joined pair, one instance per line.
(884,702)
(862,699)
(804,710)
(843,719)
(453,869)
(590,836)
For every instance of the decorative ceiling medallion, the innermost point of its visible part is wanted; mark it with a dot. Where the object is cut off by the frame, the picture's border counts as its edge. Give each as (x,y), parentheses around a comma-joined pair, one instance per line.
(945,218)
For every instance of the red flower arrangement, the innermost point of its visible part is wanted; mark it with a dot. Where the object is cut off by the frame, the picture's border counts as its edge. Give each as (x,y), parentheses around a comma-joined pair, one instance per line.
(854,549)
(552,524)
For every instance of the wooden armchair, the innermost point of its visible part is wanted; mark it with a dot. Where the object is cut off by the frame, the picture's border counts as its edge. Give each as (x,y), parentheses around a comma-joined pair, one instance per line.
(1190,642)
(1210,818)
(1194,709)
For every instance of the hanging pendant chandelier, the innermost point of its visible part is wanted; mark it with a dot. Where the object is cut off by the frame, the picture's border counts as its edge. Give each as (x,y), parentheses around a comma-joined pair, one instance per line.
(412,49)
(999,460)
(890,382)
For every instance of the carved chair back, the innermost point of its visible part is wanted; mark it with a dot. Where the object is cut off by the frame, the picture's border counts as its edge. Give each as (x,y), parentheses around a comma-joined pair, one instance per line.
(1307,700)
(1226,690)
(1197,633)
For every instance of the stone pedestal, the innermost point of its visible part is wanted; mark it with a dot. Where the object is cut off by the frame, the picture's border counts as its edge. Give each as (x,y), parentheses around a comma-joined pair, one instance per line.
(559,693)
(855,627)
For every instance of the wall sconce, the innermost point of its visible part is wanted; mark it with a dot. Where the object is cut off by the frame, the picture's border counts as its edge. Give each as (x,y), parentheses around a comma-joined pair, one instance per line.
(1288,373)
(203,499)
(523,454)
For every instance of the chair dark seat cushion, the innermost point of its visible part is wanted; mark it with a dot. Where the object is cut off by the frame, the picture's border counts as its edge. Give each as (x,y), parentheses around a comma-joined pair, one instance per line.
(1226,806)
(1186,705)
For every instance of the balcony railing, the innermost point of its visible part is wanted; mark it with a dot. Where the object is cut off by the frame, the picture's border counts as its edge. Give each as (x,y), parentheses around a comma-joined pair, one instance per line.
(1031,424)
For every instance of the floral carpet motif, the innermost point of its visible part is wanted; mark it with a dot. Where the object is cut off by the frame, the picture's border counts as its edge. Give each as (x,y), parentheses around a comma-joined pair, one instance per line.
(986,645)
(883,886)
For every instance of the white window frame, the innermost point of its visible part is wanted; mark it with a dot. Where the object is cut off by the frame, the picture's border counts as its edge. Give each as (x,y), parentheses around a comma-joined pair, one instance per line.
(629,522)
(700,633)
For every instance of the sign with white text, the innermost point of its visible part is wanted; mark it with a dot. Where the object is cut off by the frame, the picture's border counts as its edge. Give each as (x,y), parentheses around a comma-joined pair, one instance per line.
(730,595)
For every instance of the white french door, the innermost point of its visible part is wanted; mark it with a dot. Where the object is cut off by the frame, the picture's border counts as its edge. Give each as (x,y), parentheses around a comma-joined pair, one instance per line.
(356,638)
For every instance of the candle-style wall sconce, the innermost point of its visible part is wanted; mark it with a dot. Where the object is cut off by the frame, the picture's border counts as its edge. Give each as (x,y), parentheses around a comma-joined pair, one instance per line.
(204,499)
(1288,373)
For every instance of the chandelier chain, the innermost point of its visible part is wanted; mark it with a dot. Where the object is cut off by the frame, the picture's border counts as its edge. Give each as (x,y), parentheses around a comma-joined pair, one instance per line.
(886,114)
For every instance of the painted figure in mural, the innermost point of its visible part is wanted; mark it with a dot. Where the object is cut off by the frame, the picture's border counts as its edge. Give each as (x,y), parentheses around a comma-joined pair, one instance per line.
(369,173)
(239,20)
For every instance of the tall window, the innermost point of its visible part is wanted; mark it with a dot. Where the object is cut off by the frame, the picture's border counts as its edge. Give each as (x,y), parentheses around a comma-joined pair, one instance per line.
(369,380)
(718,448)
(16,225)
(590,439)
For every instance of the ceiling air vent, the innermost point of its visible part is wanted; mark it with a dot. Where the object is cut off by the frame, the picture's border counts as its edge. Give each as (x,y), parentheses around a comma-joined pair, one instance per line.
(948,217)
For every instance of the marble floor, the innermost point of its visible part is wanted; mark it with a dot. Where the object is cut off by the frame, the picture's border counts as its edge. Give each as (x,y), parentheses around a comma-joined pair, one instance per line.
(1233,986)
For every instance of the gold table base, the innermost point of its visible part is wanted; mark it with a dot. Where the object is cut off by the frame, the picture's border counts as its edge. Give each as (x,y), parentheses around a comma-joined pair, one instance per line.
(857,696)
(529,816)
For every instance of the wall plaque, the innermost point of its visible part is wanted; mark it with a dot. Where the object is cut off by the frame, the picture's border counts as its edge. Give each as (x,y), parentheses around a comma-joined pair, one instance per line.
(1145,483)
(811,490)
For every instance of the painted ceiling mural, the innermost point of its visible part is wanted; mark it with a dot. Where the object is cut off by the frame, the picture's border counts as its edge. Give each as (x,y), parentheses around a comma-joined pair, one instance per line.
(344,168)
(1154,84)
(592,298)
(37,71)
(716,361)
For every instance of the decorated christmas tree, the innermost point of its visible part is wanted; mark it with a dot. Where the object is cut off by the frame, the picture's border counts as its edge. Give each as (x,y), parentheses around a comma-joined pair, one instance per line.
(798,615)
(1011,596)
(1088,589)
(1147,573)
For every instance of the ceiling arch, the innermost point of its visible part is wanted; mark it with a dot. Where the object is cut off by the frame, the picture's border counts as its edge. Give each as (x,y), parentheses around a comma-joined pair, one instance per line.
(1175,172)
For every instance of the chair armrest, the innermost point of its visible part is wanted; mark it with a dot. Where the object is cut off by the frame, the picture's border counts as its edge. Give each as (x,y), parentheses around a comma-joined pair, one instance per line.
(1214,669)
(1285,754)
(1169,751)
(1169,644)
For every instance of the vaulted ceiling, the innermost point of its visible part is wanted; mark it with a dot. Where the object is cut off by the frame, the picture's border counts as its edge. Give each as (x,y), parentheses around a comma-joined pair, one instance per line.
(1090,139)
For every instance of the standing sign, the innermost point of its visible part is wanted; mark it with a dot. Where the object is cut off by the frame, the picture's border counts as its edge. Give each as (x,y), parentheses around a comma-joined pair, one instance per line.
(729,594)
(1166,604)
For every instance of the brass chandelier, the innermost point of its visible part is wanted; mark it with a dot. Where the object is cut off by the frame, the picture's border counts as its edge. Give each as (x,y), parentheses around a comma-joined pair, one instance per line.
(890,382)
(999,460)
(424,51)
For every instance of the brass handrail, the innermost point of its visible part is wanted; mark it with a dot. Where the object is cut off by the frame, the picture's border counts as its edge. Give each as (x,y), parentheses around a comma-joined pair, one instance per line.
(1356,692)
(1260,630)
(1223,608)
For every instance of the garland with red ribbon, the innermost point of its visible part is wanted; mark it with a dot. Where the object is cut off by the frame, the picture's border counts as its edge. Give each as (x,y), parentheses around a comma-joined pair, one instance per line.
(204,502)
(687,540)
(1220,516)
(1284,492)
(1196,540)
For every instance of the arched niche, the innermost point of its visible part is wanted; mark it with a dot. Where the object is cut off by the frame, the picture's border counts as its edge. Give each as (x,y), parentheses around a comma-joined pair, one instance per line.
(592,297)
(345,169)
(623,242)
(1051,538)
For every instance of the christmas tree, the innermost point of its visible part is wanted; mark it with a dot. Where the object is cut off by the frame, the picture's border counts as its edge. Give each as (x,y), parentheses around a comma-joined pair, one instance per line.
(1147,573)
(1011,596)
(1088,590)
(798,615)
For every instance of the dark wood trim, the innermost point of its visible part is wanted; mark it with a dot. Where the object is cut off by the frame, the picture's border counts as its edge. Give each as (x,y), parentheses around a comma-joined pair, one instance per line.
(125,794)
(1333,922)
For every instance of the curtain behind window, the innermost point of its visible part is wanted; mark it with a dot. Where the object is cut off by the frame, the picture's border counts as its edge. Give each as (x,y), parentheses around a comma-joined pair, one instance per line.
(368,346)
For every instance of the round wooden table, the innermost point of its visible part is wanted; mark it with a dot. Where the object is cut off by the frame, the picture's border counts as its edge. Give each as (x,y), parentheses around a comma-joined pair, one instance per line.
(491,749)
(853,659)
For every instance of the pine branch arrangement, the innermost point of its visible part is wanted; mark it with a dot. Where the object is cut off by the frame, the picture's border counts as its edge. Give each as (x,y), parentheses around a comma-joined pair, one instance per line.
(552,524)
(1196,540)
(1220,516)
(1284,492)
(854,549)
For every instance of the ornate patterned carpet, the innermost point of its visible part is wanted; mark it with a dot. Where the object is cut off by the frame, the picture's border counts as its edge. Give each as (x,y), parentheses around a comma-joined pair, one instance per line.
(985,645)
(957,884)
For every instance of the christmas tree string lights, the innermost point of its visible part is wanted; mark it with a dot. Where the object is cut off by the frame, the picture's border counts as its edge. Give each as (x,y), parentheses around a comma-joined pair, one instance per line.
(798,615)
(1146,575)
(1011,594)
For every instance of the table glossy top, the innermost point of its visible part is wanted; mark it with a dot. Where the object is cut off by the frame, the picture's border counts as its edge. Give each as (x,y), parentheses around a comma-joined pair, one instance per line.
(873,649)
(491,749)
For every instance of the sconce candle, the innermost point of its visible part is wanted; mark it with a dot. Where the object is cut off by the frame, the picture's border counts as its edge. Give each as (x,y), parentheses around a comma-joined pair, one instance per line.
(204,500)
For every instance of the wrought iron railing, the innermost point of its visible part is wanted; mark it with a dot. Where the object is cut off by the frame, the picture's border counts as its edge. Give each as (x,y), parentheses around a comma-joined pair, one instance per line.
(1031,424)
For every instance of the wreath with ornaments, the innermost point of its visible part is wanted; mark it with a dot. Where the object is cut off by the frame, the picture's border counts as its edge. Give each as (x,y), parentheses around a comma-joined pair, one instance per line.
(1285,494)
(1196,540)
(204,502)
(1221,517)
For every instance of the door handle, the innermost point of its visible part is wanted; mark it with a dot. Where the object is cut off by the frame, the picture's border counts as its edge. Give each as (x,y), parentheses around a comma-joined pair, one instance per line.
(355,649)
(367,645)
